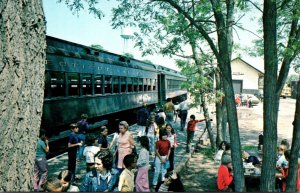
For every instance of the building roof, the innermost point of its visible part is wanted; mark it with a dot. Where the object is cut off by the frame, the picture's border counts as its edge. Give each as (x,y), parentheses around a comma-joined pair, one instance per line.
(238,58)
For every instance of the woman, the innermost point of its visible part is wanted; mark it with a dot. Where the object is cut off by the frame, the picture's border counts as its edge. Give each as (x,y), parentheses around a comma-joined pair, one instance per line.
(104,178)
(142,181)
(173,140)
(125,143)
(102,140)
(221,149)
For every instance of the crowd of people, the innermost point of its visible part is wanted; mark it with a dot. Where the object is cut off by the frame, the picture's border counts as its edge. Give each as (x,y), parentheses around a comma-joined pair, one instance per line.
(225,180)
(116,165)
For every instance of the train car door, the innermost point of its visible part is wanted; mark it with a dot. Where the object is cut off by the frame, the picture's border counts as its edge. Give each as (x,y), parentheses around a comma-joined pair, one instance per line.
(161,88)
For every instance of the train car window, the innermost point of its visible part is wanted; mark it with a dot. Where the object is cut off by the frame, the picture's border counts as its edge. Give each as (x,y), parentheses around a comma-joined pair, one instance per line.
(140,83)
(98,84)
(57,82)
(123,84)
(130,84)
(115,83)
(107,84)
(154,84)
(135,84)
(86,82)
(73,84)
(149,85)
(146,84)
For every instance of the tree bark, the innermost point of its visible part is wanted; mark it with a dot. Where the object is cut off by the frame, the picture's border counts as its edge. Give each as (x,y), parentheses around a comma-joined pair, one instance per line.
(22,66)
(224,119)
(220,136)
(271,100)
(293,162)
(208,123)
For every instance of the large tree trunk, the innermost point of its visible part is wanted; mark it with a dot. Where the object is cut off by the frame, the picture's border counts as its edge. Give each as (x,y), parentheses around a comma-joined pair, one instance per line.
(220,136)
(293,163)
(224,62)
(22,65)
(271,100)
(207,121)
(224,119)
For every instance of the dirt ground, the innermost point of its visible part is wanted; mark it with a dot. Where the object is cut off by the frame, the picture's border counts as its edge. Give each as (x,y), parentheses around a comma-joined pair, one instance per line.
(201,171)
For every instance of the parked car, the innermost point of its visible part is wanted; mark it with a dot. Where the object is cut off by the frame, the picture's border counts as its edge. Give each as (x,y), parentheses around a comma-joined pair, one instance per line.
(253,99)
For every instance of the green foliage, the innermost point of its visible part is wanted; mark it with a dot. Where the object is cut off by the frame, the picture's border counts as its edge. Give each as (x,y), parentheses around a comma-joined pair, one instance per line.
(148,61)
(293,77)
(207,152)
(77,5)
(249,148)
(98,47)
(128,55)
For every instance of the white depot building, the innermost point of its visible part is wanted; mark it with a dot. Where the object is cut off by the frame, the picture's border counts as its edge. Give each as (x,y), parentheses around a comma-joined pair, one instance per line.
(245,77)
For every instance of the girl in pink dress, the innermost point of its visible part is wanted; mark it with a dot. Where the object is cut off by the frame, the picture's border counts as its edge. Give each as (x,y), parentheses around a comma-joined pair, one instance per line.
(125,143)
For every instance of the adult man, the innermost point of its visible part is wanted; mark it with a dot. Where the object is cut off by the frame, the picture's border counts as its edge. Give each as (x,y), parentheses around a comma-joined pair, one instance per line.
(183,112)
(169,109)
(41,164)
(82,129)
(142,116)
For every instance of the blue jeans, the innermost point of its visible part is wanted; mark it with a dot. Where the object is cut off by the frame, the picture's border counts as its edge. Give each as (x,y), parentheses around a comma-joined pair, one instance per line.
(81,137)
(159,168)
(151,143)
(169,117)
(183,116)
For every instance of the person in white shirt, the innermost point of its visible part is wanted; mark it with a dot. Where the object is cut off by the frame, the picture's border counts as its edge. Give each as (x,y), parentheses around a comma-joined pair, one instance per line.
(183,107)
(89,152)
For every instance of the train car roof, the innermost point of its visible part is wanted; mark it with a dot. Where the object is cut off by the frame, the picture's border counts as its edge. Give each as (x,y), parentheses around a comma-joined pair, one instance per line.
(103,56)
(86,52)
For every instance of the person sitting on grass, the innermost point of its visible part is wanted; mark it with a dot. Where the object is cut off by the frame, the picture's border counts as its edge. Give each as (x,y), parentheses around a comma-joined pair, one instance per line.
(220,151)
(225,175)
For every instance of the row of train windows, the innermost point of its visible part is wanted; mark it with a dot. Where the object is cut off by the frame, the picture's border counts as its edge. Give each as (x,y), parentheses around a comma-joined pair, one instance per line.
(60,84)
(173,84)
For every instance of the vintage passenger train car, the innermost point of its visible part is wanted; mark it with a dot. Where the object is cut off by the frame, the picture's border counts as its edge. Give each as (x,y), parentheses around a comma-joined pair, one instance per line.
(80,79)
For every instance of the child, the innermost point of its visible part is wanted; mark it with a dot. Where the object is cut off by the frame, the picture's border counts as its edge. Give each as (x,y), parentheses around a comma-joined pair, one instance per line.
(219,154)
(173,140)
(126,181)
(73,145)
(65,179)
(102,140)
(284,173)
(150,131)
(89,152)
(142,181)
(163,149)
(191,128)
(225,175)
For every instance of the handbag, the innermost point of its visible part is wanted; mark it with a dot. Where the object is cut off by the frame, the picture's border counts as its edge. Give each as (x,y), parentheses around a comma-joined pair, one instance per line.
(167,164)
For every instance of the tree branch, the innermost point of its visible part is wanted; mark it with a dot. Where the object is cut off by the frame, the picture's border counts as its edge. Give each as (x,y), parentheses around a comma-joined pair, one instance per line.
(192,21)
(255,6)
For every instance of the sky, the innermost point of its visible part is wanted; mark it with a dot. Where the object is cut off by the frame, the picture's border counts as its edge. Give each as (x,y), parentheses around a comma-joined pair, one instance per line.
(85,29)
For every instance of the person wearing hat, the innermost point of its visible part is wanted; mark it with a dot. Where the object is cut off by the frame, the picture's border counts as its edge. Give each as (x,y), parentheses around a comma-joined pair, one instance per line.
(225,175)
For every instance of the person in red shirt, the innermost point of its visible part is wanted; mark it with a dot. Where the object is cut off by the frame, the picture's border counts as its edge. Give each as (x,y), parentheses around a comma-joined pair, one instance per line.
(163,149)
(191,128)
(225,175)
